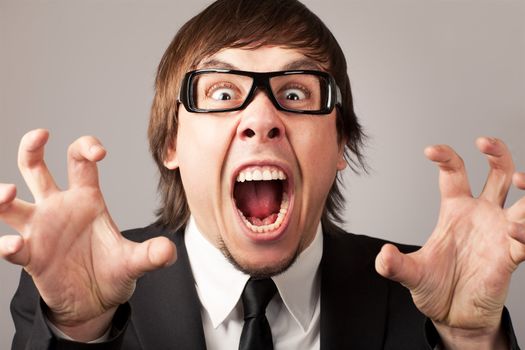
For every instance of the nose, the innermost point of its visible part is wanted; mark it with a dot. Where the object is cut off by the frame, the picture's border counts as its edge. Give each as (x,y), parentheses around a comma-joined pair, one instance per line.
(260,121)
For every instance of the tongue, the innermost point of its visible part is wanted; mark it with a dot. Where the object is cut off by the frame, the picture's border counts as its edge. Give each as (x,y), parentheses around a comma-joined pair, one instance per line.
(258,199)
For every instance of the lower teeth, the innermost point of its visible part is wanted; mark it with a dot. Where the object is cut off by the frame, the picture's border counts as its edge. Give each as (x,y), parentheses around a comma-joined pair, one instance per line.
(266,228)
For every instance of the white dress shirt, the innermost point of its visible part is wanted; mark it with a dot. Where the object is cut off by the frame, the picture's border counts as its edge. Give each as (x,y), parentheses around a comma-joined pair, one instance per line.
(293,313)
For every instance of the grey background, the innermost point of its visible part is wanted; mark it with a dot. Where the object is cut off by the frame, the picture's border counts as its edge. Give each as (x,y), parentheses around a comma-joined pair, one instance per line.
(423,72)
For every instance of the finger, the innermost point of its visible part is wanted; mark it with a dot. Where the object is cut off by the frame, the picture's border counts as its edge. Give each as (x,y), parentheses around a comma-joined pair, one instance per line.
(453,180)
(518,179)
(7,195)
(517,211)
(517,231)
(501,169)
(82,157)
(13,249)
(13,212)
(394,265)
(151,255)
(32,166)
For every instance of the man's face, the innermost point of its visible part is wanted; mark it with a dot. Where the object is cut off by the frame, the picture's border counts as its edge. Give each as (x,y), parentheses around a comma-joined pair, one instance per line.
(215,151)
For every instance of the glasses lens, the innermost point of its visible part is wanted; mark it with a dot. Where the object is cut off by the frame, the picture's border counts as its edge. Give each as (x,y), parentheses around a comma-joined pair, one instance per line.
(301,92)
(217,91)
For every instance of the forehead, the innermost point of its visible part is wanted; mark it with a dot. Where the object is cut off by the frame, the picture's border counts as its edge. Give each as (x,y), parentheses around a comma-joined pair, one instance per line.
(262,59)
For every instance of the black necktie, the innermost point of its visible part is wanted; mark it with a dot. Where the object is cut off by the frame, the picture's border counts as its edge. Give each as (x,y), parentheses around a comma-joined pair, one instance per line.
(256,333)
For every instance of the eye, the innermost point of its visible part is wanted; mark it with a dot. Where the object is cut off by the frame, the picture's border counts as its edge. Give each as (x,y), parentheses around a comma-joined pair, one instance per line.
(295,94)
(219,91)
(222,94)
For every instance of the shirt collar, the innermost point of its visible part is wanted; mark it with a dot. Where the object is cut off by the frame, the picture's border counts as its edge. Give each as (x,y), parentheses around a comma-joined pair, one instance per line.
(219,284)
(299,286)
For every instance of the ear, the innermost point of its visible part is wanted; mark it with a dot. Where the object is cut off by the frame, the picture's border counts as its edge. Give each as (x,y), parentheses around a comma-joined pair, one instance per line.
(171,161)
(341,161)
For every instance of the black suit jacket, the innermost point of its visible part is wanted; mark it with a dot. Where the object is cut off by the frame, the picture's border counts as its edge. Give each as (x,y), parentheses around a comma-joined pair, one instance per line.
(359,308)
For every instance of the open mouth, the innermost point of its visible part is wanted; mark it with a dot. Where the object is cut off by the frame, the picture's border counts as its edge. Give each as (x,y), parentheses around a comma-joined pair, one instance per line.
(262,198)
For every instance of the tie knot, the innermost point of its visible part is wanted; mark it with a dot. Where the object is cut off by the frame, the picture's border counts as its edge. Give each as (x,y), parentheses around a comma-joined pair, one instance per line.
(256,295)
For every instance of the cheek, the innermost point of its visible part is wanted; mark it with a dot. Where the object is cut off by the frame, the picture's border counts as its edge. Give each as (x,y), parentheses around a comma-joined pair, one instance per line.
(317,152)
(202,143)
(317,149)
(318,155)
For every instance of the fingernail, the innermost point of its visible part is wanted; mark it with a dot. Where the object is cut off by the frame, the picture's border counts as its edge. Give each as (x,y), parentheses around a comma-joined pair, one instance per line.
(492,140)
(11,247)
(96,148)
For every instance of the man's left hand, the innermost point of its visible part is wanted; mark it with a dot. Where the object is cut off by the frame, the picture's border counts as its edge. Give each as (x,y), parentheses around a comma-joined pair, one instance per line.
(461,276)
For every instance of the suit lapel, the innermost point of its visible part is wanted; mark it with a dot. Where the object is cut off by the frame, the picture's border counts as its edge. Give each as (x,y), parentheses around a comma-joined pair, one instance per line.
(167,316)
(353,296)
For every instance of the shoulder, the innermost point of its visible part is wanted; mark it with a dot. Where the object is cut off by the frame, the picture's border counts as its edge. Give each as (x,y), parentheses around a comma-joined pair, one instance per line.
(154,230)
(338,239)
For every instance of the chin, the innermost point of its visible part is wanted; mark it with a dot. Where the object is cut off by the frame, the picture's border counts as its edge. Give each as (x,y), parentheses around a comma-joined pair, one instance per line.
(260,268)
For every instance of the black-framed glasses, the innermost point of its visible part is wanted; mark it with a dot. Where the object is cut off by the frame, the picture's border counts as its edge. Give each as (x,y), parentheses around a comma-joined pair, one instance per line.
(226,90)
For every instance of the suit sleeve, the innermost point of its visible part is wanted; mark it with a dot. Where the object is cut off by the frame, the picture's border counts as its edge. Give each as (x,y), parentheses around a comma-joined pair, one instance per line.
(32,332)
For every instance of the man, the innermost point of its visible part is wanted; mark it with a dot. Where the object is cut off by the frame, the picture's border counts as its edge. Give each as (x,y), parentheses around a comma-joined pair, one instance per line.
(248,173)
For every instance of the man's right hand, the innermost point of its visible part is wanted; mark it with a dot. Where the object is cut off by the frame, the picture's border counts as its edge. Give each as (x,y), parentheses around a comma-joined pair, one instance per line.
(80,263)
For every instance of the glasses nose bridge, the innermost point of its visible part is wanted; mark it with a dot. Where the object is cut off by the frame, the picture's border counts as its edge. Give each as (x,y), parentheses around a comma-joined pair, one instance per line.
(261,82)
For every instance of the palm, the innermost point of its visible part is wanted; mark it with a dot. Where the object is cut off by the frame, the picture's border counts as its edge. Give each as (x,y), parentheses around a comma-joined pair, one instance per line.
(71,240)
(465,269)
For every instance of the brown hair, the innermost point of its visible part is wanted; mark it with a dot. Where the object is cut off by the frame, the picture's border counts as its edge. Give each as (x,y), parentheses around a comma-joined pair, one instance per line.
(244,24)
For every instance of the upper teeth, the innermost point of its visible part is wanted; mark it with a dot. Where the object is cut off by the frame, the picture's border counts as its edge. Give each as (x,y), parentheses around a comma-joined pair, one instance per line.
(264,173)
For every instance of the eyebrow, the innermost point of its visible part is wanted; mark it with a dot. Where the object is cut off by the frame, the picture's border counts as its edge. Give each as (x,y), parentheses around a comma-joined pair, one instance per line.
(214,63)
(304,63)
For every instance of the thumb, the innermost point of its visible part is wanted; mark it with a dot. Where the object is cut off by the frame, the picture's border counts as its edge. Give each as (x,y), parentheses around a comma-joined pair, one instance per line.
(396,266)
(151,255)
(14,250)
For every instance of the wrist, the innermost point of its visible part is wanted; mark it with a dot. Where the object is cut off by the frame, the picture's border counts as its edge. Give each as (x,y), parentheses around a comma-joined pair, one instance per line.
(85,331)
(453,338)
